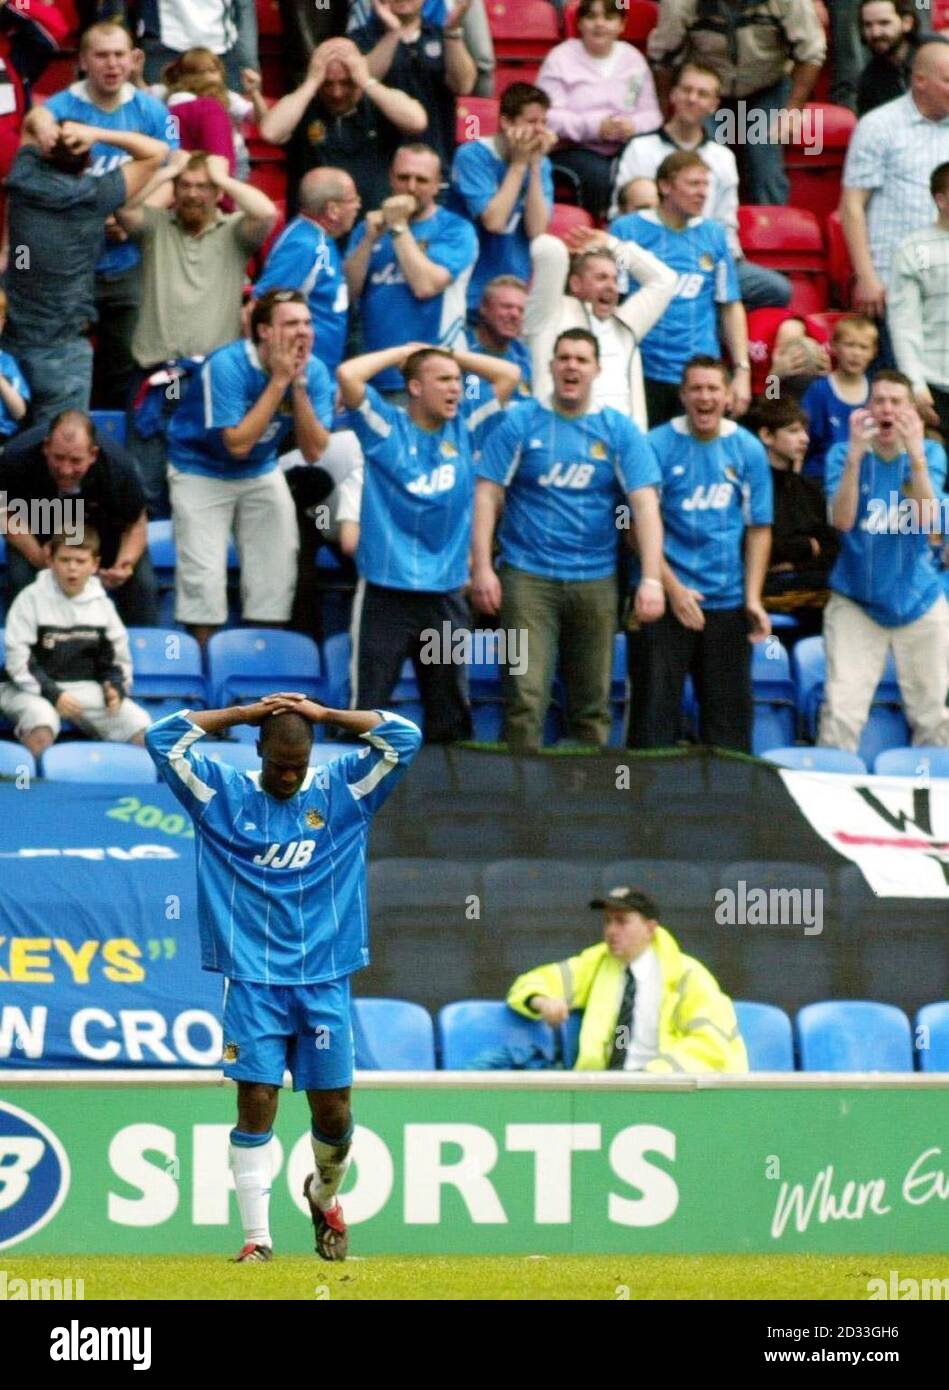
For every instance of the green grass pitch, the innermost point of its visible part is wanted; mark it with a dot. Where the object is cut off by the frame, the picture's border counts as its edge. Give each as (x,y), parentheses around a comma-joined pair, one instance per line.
(560,1278)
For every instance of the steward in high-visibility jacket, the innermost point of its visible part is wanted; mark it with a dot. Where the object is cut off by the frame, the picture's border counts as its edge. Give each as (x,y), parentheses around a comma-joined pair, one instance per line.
(697,1028)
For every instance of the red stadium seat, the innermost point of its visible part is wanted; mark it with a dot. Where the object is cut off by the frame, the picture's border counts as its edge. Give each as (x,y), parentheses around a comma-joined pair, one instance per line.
(525,29)
(60,73)
(261,151)
(564,218)
(838,260)
(815,162)
(269,25)
(642,16)
(505,76)
(259,259)
(809,294)
(789,240)
(827,321)
(940,14)
(475,117)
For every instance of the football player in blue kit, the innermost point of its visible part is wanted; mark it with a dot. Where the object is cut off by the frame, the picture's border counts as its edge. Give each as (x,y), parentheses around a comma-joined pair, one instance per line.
(281,864)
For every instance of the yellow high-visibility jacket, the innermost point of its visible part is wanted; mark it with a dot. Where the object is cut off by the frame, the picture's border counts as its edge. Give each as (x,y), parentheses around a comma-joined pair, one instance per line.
(697,1026)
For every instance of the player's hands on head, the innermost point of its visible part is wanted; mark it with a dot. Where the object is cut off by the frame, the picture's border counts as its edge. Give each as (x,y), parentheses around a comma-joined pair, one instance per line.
(293,702)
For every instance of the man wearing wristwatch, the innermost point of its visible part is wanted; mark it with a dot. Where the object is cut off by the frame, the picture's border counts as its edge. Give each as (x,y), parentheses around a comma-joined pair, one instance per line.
(409,264)
(706,304)
(429,62)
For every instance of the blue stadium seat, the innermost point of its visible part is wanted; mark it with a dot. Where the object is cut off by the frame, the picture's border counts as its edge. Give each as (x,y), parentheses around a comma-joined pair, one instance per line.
(90,761)
(854,1035)
(469,1029)
(399,1035)
(110,424)
(773,726)
(243,756)
(913,762)
(619,693)
(810,670)
(166,666)
(886,728)
(816,759)
(245,663)
(14,757)
(935,1019)
(771,680)
(675,883)
(570,1039)
(337,652)
(766,1030)
(516,886)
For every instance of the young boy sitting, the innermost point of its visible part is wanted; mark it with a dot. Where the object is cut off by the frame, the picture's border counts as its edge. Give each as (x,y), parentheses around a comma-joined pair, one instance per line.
(67,654)
(831,400)
(803,543)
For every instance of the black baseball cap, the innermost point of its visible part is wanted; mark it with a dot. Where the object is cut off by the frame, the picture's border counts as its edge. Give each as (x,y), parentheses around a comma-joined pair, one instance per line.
(629,900)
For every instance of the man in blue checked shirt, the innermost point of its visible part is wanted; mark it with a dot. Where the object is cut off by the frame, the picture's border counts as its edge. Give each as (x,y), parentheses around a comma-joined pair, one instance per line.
(707,297)
(409,263)
(224,443)
(560,472)
(886,489)
(281,857)
(716,516)
(305,257)
(415,523)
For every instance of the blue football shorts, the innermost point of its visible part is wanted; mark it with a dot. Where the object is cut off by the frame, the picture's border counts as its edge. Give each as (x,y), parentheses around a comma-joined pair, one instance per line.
(304,1029)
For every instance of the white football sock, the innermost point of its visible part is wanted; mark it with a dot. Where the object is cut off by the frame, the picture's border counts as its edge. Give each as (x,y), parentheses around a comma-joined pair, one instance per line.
(253,1172)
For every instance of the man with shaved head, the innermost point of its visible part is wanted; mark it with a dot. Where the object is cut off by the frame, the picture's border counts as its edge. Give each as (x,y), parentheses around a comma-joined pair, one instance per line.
(306,258)
(282,916)
(891,156)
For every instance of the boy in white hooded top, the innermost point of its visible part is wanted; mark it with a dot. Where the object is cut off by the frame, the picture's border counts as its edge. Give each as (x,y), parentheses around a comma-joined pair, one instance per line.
(67,654)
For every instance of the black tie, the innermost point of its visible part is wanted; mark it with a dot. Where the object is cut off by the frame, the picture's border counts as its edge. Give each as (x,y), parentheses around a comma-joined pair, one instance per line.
(623,1036)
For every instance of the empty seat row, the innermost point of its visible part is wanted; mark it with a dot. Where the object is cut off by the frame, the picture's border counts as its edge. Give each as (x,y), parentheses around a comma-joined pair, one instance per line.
(831,1036)
(88,760)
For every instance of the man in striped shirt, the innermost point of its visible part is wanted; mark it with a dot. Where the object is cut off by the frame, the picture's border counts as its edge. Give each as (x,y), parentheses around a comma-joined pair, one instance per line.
(918,312)
(892,154)
(281,860)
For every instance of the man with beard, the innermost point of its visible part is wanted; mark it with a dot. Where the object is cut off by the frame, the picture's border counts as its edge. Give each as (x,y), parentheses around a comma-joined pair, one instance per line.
(194,258)
(890,29)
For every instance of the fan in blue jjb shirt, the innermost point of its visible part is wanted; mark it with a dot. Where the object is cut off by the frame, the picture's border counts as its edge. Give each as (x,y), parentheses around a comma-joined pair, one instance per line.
(415,522)
(282,914)
(564,478)
(699,254)
(887,563)
(478,171)
(136,111)
(711,491)
(390,311)
(11,374)
(228,385)
(305,258)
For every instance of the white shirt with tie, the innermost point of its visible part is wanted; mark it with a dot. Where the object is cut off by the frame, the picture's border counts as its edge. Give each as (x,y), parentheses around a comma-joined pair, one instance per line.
(644,1044)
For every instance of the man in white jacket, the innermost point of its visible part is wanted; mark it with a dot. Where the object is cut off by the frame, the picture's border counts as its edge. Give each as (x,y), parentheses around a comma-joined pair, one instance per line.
(67,653)
(591,300)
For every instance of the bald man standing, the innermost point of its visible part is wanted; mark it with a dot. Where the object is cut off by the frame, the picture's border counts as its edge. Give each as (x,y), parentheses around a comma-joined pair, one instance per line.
(305,257)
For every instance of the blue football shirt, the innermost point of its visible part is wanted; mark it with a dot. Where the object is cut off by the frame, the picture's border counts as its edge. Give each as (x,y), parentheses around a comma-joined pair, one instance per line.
(886,561)
(479,392)
(390,312)
(711,491)
(477,173)
(282,884)
(828,422)
(565,479)
(304,258)
(9,368)
(139,112)
(229,384)
(700,257)
(418,494)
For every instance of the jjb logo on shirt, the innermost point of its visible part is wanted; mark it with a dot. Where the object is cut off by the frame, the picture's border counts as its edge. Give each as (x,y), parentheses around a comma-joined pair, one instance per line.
(712,496)
(573,475)
(440,479)
(296,855)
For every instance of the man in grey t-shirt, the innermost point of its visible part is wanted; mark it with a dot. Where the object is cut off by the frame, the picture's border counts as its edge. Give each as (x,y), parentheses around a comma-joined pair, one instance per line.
(56,215)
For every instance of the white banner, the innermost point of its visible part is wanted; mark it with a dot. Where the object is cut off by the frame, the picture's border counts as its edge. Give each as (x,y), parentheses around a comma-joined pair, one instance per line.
(895,829)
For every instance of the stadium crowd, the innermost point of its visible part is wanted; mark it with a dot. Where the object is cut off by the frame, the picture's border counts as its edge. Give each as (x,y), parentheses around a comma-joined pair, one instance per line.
(494,414)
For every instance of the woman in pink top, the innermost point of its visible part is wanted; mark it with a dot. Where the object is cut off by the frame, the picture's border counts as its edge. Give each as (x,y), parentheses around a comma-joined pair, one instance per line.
(601,94)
